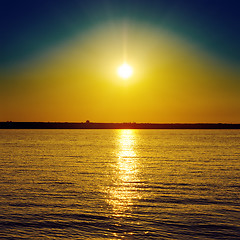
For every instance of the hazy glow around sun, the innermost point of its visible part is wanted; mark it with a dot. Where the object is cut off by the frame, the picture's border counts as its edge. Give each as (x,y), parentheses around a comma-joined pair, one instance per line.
(125,71)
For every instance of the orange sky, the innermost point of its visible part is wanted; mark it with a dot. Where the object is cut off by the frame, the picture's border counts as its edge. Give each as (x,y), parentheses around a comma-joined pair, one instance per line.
(174,80)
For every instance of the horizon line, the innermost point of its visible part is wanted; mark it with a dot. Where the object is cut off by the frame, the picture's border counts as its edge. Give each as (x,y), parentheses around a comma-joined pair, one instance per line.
(93,125)
(90,122)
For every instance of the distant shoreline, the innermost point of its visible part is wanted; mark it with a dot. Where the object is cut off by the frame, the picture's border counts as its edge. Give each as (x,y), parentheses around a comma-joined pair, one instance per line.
(93,125)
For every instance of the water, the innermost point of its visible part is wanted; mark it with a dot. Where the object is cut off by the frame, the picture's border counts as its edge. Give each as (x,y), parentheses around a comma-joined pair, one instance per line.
(119,184)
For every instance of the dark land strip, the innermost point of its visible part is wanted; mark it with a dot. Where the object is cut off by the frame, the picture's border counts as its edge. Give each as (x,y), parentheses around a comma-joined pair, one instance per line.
(93,125)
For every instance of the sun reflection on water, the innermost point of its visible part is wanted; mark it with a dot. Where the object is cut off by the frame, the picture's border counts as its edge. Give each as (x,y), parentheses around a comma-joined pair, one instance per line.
(127,157)
(124,191)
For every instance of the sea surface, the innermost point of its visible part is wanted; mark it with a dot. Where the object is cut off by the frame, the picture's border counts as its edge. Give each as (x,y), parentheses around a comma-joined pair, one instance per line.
(120,184)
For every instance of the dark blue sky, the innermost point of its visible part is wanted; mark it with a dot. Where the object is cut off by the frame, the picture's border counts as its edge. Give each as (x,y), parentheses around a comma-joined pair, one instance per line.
(30,27)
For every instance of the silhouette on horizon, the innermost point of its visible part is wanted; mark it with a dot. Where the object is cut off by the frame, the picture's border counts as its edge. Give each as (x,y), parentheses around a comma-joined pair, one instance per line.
(133,125)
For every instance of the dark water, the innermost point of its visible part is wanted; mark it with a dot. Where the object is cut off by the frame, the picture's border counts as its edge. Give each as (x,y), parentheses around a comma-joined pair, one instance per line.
(119,184)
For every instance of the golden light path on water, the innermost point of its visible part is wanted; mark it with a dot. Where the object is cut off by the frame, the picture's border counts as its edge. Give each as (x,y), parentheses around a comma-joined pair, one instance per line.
(124,191)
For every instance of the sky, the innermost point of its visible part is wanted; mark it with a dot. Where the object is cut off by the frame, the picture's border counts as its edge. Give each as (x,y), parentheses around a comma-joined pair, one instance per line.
(59,60)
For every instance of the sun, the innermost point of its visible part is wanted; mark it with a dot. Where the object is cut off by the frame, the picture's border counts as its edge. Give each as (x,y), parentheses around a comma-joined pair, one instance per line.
(125,71)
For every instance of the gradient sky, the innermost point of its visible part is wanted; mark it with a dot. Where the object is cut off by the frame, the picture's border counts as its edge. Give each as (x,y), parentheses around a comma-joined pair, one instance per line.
(58,60)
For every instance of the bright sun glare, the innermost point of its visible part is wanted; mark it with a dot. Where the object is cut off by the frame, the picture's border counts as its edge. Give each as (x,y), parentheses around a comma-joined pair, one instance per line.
(125,71)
